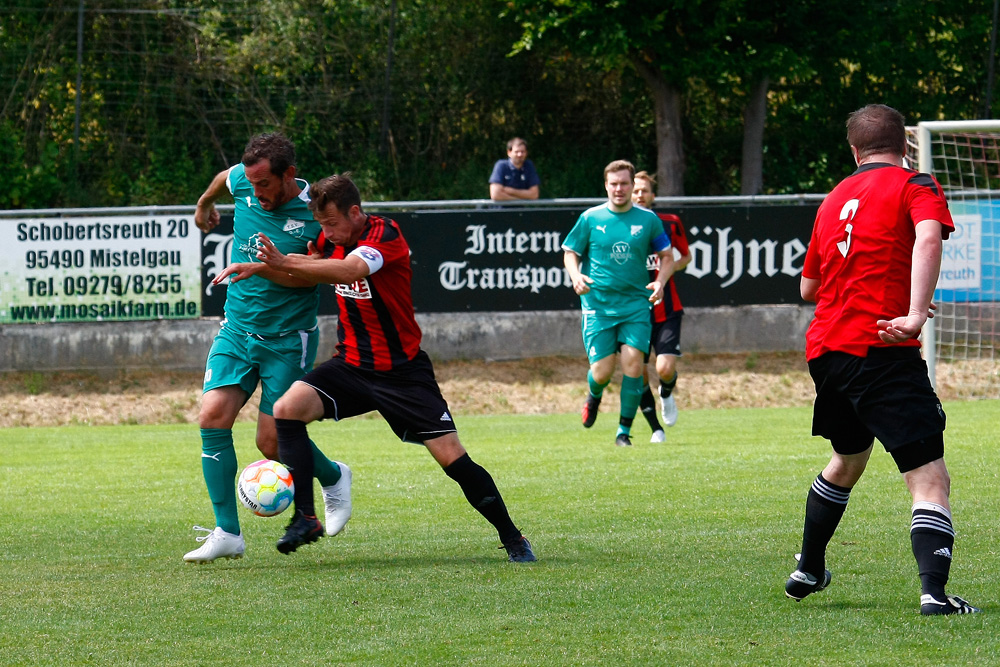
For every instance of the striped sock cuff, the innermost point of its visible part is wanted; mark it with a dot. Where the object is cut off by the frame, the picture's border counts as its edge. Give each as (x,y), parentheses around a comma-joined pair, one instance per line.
(931,517)
(830,492)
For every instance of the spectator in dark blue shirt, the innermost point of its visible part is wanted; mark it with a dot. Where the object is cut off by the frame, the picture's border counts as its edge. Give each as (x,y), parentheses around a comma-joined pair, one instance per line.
(515,177)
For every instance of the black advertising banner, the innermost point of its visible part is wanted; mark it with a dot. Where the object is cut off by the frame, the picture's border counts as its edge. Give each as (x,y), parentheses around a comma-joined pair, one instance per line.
(216,248)
(744,255)
(491,260)
(511,259)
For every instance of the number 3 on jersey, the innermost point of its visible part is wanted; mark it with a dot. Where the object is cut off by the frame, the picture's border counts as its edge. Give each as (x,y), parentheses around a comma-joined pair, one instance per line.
(847,213)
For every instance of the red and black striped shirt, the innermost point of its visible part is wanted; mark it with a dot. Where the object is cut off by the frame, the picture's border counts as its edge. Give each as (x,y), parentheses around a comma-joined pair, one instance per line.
(670,304)
(376,328)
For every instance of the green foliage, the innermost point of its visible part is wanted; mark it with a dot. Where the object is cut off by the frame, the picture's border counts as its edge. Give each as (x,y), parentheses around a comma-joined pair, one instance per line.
(663,554)
(172,89)
(28,183)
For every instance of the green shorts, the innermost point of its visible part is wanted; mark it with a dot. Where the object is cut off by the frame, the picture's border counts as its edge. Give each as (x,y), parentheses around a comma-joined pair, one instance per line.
(603,335)
(244,359)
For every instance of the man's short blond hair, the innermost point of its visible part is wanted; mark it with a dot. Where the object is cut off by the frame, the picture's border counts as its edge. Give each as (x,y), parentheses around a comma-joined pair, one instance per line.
(646,176)
(619,165)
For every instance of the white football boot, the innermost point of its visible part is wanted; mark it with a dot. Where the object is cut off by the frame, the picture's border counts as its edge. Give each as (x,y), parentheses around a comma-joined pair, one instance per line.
(337,498)
(668,410)
(217,544)
(658,436)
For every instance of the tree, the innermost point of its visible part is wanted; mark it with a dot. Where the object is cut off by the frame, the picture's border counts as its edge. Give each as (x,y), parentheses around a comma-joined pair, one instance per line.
(734,47)
(656,39)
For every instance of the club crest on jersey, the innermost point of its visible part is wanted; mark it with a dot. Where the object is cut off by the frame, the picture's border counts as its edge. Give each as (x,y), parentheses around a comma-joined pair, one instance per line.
(636,231)
(294,227)
(652,262)
(621,252)
(356,290)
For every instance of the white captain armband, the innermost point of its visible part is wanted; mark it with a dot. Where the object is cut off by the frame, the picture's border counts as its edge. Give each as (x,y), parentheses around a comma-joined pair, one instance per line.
(370,256)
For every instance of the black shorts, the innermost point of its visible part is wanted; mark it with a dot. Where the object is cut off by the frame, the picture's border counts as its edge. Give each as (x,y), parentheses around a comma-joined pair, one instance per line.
(666,336)
(408,396)
(886,395)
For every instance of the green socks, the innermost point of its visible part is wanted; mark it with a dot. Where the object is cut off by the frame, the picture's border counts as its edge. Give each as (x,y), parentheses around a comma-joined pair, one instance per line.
(596,390)
(324,470)
(218,465)
(630,395)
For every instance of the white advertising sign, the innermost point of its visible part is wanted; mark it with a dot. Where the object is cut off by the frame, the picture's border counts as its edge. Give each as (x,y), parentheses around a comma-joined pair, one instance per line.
(961,258)
(99,269)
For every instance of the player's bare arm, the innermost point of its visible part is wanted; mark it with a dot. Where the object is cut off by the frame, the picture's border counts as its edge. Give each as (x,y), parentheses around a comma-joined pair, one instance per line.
(680,263)
(206,218)
(809,288)
(312,267)
(667,268)
(923,280)
(243,270)
(581,281)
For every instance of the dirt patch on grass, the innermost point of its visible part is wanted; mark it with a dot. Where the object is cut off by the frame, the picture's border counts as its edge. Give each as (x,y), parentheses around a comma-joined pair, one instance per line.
(530,386)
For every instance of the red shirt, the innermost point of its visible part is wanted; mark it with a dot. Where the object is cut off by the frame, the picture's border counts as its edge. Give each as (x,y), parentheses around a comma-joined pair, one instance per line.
(861,252)
(376,328)
(671,302)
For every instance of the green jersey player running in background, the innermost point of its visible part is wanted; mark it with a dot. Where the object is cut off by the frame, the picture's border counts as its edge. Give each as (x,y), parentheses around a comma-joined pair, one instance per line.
(269,336)
(605,255)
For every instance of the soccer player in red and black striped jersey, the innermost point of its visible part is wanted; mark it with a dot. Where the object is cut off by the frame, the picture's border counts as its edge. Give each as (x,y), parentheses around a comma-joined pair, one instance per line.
(378,364)
(871,268)
(666,314)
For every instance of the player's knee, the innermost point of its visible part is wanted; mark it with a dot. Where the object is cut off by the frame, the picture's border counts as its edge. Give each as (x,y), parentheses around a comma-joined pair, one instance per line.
(212,415)
(268,448)
(600,375)
(665,367)
(220,406)
(445,449)
(845,469)
(285,409)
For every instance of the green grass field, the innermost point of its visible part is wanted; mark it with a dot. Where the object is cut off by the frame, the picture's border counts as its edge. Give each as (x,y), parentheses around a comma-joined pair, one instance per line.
(663,554)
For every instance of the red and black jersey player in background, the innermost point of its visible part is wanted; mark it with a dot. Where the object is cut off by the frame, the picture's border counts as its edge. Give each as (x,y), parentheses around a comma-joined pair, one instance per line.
(665,341)
(378,365)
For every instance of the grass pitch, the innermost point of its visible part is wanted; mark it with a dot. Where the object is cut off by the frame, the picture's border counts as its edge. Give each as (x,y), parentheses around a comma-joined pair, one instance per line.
(663,554)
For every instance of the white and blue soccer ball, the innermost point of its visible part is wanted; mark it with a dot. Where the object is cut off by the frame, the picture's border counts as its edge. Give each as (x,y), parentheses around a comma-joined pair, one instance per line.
(266,487)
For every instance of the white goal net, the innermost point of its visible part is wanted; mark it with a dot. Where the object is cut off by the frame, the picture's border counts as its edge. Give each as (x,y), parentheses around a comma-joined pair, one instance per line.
(962,340)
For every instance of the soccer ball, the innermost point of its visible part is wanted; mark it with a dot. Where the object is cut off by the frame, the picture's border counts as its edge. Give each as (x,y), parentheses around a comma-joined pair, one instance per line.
(266,487)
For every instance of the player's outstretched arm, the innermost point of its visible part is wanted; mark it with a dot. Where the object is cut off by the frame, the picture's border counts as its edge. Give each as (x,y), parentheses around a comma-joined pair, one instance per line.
(243,270)
(312,268)
(239,271)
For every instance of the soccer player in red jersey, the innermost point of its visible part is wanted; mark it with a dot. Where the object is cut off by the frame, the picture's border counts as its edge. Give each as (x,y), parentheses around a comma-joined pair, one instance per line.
(378,364)
(666,315)
(871,269)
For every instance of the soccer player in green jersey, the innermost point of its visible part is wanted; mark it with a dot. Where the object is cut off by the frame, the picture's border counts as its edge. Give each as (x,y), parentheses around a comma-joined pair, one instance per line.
(269,336)
(605,256)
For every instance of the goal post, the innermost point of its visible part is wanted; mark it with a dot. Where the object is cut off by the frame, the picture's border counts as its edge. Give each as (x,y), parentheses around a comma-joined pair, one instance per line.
(964,335)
